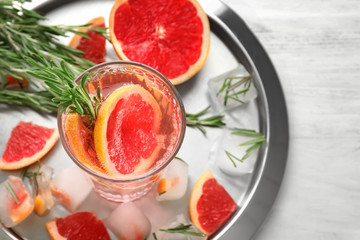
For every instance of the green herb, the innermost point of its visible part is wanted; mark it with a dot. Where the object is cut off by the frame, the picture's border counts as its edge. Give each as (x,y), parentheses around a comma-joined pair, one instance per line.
(154,235)
(231,89)
(233,158)
(178,158)
(12,192)
(31,50)
(32,176)
(253,144)
(183,229)
(193,120)
(41,101)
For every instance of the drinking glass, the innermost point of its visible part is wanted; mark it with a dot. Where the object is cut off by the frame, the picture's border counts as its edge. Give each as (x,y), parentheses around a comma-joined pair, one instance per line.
(108,77)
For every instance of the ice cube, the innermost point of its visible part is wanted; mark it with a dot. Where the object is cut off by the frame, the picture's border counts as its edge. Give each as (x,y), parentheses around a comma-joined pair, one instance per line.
(16,202)
(127,222)
(71,186)
(173,182)
(157,213)
(41,185)
(232,89)
(225,151)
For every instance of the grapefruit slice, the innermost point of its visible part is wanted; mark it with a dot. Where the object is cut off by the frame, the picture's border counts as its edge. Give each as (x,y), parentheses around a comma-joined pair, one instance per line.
(94,46)
(171,36)
(125,135)
(80,135)
(80,225)
(27,144)
(210,204)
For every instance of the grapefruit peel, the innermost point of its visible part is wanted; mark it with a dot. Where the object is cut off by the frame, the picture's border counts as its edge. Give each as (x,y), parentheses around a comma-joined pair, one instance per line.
(101,126)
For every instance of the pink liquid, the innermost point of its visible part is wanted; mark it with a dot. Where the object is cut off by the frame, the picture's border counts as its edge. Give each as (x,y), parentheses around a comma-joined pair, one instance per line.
(160,143)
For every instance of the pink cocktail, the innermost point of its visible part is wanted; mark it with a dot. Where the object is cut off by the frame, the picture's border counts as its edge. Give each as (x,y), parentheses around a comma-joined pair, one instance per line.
(138,131)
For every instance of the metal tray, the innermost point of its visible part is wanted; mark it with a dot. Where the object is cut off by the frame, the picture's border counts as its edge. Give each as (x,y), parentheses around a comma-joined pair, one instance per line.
(232,42)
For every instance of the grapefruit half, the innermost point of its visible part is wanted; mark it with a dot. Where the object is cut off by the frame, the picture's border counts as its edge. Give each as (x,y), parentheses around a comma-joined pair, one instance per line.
(126,132)
(80,225)
(28,143)
(172,37)
(210,204)
(94,46)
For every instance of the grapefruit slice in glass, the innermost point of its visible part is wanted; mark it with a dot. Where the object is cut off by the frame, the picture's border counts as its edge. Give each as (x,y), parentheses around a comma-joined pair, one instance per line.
(172,37)
(28,143)
(80,225)
(80,133)
(126,132)
(210,204)
(94,46)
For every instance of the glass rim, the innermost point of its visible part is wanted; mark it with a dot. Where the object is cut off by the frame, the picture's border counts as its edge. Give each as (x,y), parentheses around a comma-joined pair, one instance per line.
(150,173)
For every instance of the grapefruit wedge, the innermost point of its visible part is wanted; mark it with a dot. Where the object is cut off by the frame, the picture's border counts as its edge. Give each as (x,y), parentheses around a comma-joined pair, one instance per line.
(210,204)
(172,37)
(125,134)
(81,141)
(28,143)
(94,46)
(80,225)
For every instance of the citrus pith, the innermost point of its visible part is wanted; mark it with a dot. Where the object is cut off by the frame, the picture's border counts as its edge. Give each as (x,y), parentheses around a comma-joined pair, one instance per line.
(27,144)
(210,204)
(171,36)
(125,134)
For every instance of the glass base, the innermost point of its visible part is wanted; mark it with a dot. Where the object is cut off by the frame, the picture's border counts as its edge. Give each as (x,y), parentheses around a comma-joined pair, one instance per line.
(124,197)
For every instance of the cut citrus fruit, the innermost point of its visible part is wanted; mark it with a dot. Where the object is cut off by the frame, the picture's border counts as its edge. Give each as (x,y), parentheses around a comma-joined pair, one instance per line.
(17,82)
(80,225)
(27,144)
(80,133)
(125,135)
(16,202)
(210,204)
(94,46)
(165,184)
(171,36)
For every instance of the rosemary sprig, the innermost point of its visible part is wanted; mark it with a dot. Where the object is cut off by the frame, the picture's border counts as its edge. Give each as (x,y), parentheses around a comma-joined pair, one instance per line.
(30,50)
(183,229)
(231,89)
(12,192)
(41,100)
(193,120)
(253,144)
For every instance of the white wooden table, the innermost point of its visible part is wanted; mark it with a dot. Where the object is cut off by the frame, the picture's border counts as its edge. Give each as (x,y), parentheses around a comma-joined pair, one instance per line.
(315,48)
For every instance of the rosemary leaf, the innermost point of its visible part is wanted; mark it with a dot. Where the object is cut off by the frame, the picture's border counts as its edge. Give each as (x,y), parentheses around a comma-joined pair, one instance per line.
(253,144)
(183,229)
(30,49)
(12,192)
(194,120)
